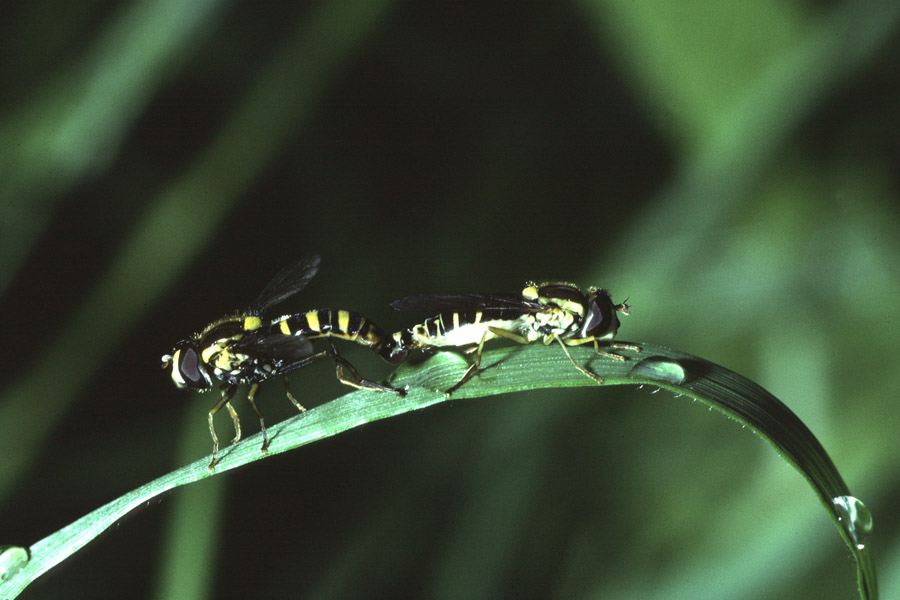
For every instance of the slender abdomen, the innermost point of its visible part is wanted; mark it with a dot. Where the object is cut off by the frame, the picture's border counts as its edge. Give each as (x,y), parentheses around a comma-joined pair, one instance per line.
(342,324)
(464,328)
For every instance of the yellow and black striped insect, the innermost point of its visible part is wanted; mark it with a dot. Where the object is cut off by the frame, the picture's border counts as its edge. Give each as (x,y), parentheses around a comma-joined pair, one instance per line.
(551,312)
(246,348)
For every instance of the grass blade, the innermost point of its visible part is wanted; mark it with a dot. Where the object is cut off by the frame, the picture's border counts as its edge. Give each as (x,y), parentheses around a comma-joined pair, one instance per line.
(509,370)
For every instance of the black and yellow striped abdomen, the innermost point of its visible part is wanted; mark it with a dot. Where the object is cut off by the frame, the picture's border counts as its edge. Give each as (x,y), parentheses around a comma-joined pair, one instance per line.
(247,348)
(342,324)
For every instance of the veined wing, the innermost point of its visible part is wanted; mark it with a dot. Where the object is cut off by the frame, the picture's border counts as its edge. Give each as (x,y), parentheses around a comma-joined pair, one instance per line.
(287,282)
(274,346)
(460,302)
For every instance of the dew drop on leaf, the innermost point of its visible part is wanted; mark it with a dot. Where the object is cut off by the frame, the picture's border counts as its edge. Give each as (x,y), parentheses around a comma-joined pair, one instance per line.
(12,559)
(659,369)
(855,518)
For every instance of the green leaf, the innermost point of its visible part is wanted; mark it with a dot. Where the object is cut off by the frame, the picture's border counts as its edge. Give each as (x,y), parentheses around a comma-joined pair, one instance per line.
(510,370)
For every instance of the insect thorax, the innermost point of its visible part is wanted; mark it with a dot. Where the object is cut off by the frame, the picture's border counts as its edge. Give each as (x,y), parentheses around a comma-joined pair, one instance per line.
(217,350)
(552,322)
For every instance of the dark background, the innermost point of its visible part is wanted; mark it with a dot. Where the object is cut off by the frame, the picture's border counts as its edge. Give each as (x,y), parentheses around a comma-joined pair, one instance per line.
(730,167)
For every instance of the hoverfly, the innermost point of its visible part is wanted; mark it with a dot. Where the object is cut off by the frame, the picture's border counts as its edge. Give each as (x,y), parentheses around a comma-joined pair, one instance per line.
(246,348)
(550,312)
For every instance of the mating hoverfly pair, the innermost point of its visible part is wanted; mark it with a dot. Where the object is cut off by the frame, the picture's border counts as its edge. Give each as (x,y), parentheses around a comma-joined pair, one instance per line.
(247,348)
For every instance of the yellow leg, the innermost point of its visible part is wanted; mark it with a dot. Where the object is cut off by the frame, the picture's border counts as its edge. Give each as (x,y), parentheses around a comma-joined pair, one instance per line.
(509,335)
(358,381)
(236,421)
(623,346)
(470,372)
(472,368)
(225,400)
(579,342)
(588,373)
(596,344)
(615,346)
(287,391)
(251,396)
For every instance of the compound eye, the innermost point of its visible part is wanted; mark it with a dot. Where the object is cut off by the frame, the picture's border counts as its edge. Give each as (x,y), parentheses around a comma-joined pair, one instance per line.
(187,369)
(595,321)
(601,319)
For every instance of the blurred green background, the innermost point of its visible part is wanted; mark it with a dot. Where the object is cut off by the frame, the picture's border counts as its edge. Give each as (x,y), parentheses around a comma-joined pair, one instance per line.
(732,168)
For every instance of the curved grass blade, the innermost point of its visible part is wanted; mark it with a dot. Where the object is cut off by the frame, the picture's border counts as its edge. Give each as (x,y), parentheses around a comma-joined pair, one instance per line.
(750,404)
(509,370)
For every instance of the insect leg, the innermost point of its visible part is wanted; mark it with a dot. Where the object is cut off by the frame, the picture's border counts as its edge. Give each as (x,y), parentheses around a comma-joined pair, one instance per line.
(588,373)
(287,391)
(596,343)
(251,396)
(296,365)
(358,380)
(227,394)
(509,335)
(624,346)
(470,372)
(236,421)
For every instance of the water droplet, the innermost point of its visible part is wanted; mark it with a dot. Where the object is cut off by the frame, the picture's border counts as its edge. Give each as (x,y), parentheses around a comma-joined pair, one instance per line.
(855,519)
(12,559)
(659,369)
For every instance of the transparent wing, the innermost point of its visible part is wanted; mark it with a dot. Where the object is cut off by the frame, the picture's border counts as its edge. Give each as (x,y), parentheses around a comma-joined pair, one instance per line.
(287,282)
(457,302)
(275,346)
